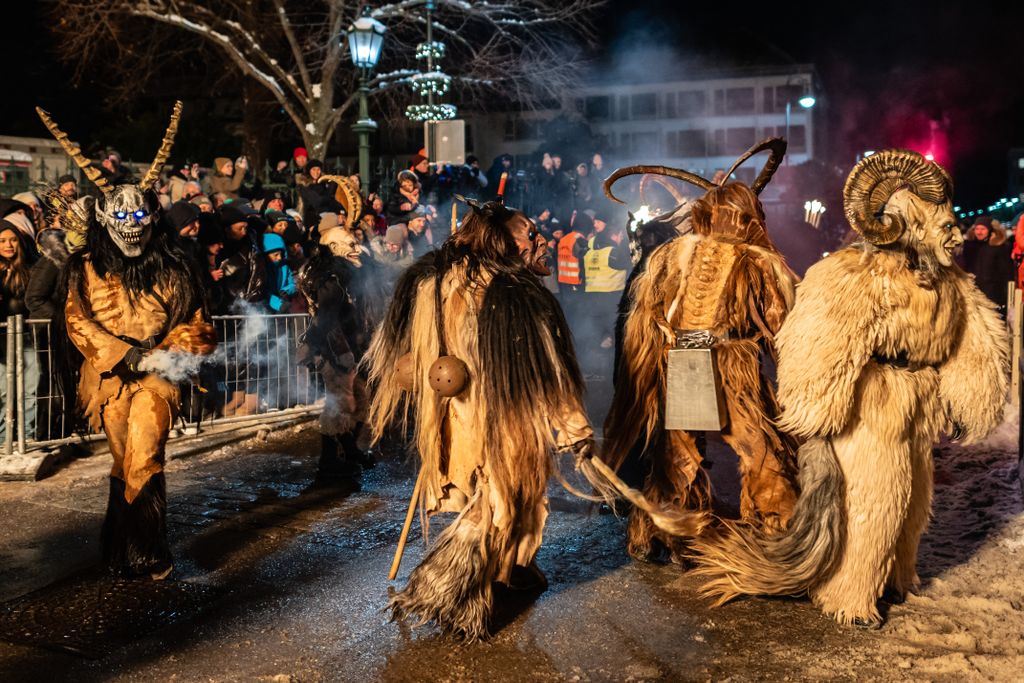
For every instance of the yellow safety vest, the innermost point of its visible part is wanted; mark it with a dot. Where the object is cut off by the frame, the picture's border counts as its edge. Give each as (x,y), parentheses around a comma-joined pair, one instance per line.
(600,276)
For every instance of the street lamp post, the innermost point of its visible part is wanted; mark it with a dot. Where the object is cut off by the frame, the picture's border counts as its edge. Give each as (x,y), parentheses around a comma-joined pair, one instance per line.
(807,100)
(365,38)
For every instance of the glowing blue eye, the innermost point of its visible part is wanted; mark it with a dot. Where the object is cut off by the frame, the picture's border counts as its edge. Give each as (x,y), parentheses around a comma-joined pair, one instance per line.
(140,214)
(120,215)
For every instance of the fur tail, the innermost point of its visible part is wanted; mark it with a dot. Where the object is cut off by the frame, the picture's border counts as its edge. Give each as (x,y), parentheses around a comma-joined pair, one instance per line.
(452,586)
(745,561)
(608,485)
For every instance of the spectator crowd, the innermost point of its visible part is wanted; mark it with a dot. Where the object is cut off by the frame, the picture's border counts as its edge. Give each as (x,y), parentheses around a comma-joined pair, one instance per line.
(250,239)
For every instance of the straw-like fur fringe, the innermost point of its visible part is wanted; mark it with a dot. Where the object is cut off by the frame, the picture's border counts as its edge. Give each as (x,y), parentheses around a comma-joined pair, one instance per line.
(452,585)
(973,382)
(636,407)
(674,521)
(741,560)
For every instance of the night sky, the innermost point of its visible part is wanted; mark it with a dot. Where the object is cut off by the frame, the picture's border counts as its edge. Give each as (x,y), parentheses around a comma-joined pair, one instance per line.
(888,70)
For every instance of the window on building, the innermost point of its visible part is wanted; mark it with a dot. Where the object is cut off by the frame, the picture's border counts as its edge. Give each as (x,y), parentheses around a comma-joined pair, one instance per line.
(598,108)
(739,101)
(691,103)
(775,98)
(719,102)
(670,106)
(623,113)
(644,106)
(718,143)
(687,143)
(739,140)
(644,144)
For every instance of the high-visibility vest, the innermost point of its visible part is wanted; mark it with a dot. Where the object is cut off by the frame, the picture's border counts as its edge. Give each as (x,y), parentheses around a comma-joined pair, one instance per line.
(600,276)
(569,267)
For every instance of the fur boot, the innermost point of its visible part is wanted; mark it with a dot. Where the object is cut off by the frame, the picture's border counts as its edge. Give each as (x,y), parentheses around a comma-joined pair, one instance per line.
(335,465)
(452,586)
(134,536)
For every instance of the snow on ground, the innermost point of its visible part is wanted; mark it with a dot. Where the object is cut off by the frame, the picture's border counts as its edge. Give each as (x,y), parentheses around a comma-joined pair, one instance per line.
(967,621)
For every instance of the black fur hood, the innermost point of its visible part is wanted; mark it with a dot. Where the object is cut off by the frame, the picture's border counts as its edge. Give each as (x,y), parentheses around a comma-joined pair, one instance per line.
(52,246)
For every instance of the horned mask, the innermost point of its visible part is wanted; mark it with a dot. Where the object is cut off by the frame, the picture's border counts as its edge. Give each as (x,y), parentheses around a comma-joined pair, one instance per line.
(899,198)
(125,211)
(727,210)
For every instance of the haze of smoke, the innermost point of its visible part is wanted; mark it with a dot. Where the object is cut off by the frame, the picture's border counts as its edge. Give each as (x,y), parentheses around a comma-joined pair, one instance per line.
(177,366)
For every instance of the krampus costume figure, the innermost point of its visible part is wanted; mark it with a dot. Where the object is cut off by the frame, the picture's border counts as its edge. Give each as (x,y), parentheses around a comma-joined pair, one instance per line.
(345,305)
(726,283)
(489,372)
(131,291)
(888,345)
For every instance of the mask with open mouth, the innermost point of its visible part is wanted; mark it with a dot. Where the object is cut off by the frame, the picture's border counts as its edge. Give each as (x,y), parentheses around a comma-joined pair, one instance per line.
(127,216)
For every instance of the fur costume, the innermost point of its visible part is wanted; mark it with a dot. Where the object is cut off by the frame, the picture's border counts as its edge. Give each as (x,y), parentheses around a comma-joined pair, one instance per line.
(727,278)
(888,345)
(345,300)
(130,292)
(486,452)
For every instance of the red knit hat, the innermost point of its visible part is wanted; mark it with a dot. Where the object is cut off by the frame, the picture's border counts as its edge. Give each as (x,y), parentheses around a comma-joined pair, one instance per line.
(299,152)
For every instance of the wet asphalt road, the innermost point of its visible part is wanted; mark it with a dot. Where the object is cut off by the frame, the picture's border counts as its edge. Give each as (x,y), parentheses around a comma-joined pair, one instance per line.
(288,583)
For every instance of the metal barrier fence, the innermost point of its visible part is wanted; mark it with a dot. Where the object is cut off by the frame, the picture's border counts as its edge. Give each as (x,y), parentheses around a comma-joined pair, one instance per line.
(253,372)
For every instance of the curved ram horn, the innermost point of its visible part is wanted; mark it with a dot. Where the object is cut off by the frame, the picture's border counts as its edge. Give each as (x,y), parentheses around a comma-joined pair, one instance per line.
(776,148)
(666,171)
(165,149)
(91,172)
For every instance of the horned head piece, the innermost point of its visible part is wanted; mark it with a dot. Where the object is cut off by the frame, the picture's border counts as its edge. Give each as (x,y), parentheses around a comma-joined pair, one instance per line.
(876,178)
(93,174)
(776,148)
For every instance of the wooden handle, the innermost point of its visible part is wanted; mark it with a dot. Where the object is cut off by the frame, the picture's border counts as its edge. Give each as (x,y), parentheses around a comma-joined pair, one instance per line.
(405,529)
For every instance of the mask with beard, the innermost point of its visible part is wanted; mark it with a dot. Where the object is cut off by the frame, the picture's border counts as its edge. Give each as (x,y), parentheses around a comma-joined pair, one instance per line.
(533,248)
(127,216)
(343,243)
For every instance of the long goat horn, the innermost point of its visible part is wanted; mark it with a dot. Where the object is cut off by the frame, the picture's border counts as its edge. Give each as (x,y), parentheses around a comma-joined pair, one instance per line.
(91,172)
(777,150)
(667,171)
(165,149)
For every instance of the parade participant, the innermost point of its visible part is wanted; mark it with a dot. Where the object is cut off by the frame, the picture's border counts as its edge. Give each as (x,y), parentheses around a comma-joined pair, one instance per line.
(344,311)
(722,292)
(487,358)
(889,344)
(132,291)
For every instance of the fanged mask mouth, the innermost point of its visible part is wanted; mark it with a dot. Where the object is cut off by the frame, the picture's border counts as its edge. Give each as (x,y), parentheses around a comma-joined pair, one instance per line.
(131,236)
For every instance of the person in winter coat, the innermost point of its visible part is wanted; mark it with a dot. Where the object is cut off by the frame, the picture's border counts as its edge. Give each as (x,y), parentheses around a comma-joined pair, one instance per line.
(227,176)
(405,197)
(988,255)
(280,282)
(17,256)
(41,295)
(245,275)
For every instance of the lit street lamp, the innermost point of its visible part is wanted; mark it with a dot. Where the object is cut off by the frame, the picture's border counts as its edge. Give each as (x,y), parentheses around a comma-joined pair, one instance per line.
(365,38)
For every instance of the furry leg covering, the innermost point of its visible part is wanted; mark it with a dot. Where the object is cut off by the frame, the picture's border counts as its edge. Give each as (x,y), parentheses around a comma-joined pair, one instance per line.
(749,561)
(452,585)
(134,536)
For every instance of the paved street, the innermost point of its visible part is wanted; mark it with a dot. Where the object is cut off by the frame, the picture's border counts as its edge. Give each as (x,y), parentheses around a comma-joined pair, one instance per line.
(281,581)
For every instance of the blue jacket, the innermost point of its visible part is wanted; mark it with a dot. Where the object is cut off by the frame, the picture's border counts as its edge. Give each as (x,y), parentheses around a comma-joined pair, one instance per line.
(280,281)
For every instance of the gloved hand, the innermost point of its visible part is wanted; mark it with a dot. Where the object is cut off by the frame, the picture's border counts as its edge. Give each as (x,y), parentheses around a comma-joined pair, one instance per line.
(276,303)
(134,358)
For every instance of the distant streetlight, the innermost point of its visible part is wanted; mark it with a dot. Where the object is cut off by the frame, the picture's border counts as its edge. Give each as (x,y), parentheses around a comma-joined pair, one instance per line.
(365,39)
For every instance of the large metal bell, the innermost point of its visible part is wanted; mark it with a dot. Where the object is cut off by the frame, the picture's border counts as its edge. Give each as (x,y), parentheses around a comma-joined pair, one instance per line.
(404,372)
(448,376)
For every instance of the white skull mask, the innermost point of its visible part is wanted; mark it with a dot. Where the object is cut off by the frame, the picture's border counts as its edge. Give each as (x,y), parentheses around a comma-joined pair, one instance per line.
(127,216)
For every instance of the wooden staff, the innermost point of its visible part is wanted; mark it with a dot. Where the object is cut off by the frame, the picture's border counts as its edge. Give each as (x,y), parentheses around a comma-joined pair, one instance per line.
(408,524)
(455,223)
